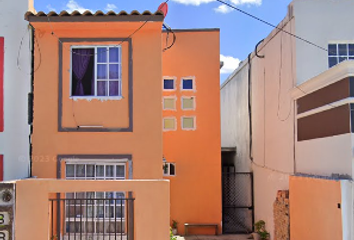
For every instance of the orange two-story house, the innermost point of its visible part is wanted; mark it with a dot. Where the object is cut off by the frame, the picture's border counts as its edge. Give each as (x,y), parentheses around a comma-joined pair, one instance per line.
(191,123)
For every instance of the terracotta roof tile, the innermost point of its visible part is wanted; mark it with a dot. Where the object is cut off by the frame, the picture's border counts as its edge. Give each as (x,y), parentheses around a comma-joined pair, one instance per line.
(93,16)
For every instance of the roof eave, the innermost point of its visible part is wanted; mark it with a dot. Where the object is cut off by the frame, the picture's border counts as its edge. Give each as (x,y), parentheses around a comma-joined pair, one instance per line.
(126,18)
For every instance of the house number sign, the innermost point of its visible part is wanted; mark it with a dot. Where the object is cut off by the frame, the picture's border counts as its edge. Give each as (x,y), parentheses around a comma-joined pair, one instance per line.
(4,221)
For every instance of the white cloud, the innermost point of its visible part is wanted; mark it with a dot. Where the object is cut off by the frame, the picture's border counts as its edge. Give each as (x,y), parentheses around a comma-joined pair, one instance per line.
(249,2)
(230,64)
(193,2)
(72,6)
(110,7)
(50,8)
(223,9)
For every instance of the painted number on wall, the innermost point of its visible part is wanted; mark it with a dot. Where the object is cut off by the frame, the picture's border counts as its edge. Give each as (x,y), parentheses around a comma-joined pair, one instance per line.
(4,219)
(4,235)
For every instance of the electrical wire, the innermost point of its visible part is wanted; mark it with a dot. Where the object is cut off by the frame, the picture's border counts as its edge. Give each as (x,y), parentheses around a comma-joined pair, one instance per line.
(167,37)
(29,47)
(116,45)
(272,25)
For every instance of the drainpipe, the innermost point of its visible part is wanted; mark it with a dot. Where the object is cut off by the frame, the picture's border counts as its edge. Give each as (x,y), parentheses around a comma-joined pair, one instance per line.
(250,105)
(31,101)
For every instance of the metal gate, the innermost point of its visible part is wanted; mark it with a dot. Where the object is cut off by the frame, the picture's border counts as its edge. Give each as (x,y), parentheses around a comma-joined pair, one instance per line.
(237,201)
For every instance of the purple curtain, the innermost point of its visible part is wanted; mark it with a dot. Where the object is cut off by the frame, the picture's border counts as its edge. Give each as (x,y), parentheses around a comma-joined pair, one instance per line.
(81,59)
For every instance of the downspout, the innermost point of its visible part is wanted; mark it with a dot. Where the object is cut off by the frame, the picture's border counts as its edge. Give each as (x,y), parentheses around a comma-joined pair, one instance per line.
(250,118)
(250,105)
(31,101)
(250,96)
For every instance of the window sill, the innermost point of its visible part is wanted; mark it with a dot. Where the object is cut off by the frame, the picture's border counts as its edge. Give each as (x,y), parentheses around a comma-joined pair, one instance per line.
(90,98)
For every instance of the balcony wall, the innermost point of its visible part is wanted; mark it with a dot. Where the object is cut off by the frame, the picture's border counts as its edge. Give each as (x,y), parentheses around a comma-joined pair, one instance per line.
(151,205)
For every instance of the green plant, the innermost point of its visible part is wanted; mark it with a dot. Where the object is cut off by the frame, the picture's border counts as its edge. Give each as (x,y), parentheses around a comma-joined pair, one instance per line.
(174,224)
(260,229)
(164,167)
(171,235)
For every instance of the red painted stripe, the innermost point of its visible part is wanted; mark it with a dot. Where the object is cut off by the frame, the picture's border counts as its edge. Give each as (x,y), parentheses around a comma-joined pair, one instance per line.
(1,84)
(1,168)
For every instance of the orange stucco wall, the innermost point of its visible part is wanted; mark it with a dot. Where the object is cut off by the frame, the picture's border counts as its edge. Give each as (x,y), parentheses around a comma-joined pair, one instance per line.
(196,188)
(314,212)
(144,143)
(32,213)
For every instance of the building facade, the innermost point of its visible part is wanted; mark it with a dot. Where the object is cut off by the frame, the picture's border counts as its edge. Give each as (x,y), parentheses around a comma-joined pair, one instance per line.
(191,125)
(15,84)
(90,93)
(112,105)
(275,134)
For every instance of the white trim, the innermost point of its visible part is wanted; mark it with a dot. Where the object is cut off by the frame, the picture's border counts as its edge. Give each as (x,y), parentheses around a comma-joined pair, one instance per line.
(326,107)
(90,160)
(194,123)
(332,75)
(174,83)
(174,104)
(100,98)
(119,80)
(169,129)
(188,78)
(194,103)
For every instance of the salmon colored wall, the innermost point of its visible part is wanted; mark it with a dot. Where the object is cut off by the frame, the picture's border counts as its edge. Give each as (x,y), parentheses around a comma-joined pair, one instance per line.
(314,212)
(32,213)
(144,143)
(196,188)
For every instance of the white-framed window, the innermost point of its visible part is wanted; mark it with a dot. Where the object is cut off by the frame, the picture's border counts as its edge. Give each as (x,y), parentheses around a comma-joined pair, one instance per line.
(84,211)
(169,83)
(188,122)
(96,71)
(188,103)
(339,52)
(169,124)
(188,84)
(169,169)
(169,103)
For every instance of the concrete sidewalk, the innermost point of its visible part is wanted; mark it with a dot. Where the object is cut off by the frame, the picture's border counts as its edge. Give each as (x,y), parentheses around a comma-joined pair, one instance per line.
(213,237)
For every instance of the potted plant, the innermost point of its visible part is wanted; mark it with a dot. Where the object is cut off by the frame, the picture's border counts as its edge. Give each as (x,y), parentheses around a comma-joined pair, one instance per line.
(174,227)
(171,235)
(261,232)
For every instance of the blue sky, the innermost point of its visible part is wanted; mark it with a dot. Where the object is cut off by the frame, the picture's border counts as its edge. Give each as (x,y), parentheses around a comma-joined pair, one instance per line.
(238,33)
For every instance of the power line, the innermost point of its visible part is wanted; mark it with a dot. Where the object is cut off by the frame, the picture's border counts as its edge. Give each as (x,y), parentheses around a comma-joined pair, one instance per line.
(272,25)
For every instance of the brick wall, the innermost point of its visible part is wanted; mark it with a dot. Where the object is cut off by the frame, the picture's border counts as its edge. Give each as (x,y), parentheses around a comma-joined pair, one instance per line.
(281,216)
